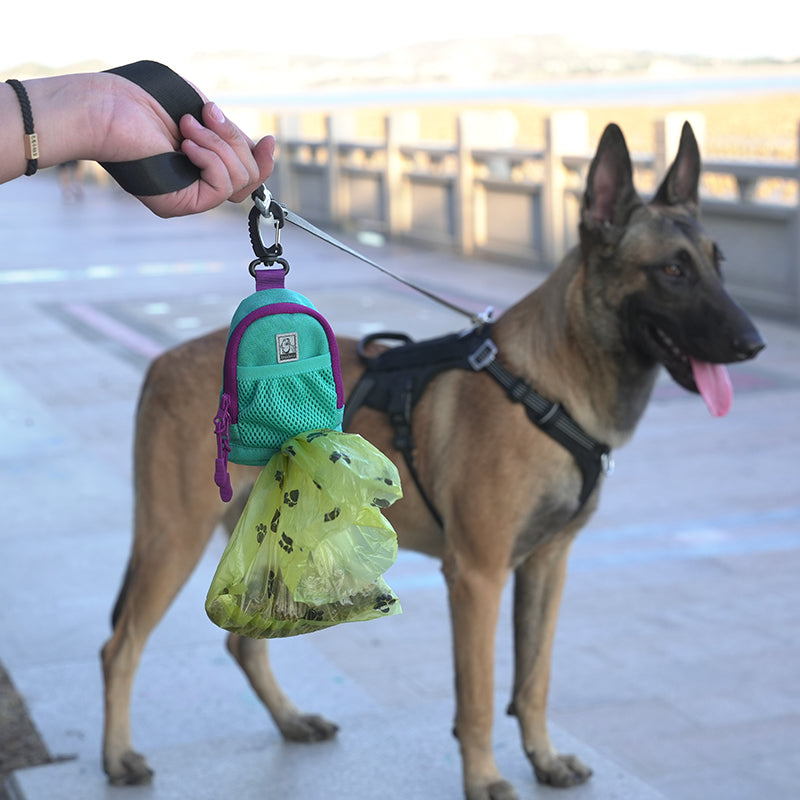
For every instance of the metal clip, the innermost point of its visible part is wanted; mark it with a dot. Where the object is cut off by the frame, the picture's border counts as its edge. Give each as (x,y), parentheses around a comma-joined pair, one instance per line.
(274,214)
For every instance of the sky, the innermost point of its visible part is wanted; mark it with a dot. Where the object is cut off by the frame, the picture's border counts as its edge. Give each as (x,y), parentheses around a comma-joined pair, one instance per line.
(172,31)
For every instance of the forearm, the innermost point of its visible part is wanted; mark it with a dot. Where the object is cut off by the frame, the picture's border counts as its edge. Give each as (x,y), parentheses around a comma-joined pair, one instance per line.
(63,111)
(105,117)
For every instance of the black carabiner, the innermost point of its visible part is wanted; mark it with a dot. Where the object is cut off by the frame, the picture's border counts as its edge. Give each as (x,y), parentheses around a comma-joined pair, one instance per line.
(271,211)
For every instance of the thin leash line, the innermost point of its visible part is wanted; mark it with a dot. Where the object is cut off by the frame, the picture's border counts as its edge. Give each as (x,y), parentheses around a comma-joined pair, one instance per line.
(277,213)
(297,220)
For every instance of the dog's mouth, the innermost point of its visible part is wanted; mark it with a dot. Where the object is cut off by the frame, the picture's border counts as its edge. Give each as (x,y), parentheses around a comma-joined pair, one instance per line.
(711,381)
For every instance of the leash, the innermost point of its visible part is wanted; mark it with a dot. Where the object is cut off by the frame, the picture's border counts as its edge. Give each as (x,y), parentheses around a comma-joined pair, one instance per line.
(169,172)
(277,214)
(165,172)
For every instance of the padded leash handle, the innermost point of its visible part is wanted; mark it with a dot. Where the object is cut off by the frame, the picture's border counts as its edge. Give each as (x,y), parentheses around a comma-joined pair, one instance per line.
(165,172)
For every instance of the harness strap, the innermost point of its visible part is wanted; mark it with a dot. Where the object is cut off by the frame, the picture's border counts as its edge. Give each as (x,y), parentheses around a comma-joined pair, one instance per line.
(399,412)
(406,373)
(165,172)
(591,456)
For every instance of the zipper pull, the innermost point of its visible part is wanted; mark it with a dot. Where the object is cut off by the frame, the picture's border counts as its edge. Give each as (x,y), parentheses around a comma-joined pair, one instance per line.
(222,424)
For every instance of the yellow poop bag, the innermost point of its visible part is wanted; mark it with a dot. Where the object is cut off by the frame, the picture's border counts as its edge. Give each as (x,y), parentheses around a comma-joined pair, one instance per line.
(311,546)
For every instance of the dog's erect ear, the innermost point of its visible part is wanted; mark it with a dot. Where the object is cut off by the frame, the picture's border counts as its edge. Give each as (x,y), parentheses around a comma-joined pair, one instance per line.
(680,185)
(610,197)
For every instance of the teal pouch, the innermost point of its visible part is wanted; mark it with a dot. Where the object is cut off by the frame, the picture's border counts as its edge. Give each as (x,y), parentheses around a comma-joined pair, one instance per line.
(281,376)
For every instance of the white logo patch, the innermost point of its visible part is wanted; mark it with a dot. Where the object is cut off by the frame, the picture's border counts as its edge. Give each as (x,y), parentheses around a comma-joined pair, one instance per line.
(286,347)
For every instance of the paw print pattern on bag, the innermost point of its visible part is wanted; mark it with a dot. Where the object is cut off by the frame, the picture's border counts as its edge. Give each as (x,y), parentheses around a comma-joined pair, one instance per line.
(321,544)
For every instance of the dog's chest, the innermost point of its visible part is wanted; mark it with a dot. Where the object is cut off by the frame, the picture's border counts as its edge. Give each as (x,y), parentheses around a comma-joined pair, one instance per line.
(556,513)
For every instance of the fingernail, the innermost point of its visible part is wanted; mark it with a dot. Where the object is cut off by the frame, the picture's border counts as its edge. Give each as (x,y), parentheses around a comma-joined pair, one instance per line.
(216,113)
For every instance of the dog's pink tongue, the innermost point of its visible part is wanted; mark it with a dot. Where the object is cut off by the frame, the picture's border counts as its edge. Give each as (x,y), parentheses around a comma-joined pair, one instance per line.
(715,387)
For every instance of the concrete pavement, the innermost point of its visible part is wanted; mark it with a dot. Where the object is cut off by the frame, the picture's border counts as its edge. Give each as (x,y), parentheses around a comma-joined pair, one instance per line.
(677,654)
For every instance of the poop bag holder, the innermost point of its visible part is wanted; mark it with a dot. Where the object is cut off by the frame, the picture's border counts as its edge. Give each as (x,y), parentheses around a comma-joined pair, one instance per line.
(311,546)
(281,375)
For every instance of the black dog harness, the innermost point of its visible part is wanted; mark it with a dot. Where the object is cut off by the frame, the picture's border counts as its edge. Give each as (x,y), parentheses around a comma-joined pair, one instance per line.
(394,381)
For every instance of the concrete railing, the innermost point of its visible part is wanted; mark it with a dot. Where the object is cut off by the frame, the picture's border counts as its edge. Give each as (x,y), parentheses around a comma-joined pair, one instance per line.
(483,196)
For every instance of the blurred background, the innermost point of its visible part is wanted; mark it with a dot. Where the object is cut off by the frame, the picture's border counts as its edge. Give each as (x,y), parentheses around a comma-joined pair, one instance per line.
(742,68)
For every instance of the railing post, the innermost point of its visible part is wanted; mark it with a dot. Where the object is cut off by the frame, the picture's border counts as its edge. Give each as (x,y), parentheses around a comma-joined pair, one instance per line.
(339,128)
(477,130)
(402,128)
(795,256)
(283,182)
(566,133)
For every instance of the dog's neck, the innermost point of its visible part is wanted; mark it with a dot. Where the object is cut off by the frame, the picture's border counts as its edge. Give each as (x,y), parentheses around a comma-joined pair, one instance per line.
(550,338)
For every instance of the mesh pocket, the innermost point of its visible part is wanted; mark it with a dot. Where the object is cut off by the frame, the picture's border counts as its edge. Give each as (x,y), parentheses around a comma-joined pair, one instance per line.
(272,410)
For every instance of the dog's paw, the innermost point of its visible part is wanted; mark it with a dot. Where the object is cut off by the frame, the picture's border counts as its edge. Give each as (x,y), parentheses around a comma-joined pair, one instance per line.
(132,770)
(308,728)
(496,790)
(560,770)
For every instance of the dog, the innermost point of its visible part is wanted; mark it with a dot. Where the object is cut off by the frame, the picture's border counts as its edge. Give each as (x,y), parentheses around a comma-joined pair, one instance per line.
(641,290)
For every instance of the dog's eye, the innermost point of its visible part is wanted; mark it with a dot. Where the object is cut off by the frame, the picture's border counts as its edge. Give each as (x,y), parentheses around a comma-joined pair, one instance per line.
(673,270)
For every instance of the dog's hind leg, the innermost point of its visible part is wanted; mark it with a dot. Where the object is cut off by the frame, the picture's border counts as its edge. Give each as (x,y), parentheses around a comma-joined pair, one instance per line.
(155,574)
(538,587)
(176,512)
(251,655)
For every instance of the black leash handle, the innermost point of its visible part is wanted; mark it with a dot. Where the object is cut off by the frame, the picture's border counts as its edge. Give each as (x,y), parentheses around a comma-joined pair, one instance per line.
(165,172)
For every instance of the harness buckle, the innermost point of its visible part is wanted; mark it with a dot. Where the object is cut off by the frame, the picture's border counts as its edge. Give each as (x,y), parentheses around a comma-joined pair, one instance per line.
(607,463)
(483,355)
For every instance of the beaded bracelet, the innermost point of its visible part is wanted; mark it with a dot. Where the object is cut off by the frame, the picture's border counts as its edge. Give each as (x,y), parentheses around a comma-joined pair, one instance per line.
(31,140)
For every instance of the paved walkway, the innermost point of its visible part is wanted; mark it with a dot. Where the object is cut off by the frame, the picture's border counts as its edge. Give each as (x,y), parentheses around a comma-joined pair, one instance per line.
(677,663)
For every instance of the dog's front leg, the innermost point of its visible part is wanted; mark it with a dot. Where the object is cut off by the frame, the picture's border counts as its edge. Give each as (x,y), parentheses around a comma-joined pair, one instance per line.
(474,594)
(538,586)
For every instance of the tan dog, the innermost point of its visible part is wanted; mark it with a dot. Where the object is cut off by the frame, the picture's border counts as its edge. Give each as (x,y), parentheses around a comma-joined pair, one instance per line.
(641,290)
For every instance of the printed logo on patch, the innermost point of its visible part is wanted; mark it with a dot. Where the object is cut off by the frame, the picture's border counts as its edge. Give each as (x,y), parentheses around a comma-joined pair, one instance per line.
(286,347)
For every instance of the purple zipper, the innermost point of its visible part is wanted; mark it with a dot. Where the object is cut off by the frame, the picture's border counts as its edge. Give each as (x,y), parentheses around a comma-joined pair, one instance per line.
(222,425)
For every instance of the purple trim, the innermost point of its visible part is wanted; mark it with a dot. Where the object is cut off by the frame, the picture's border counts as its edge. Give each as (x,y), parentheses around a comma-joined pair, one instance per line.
(235,339)
(270,279)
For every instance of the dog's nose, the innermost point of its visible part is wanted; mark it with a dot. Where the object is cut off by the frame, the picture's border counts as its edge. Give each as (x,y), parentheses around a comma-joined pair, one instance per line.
(748,344)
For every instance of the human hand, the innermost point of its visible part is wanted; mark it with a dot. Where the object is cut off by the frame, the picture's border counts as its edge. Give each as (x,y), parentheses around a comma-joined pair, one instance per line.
(231,165)
(107,118)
